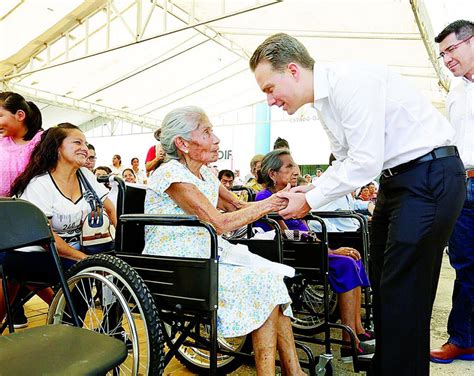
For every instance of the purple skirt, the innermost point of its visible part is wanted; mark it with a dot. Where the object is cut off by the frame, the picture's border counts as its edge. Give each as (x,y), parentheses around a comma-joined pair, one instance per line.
(345,273)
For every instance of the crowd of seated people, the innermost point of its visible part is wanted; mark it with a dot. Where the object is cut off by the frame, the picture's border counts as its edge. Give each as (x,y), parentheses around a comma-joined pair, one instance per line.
(253,298)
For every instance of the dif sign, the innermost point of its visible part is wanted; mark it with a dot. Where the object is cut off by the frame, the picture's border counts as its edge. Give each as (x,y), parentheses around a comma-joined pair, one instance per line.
(225,154)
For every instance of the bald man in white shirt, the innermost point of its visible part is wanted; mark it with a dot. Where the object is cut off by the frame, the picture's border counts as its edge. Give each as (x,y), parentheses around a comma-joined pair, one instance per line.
(456,46)
(376,122)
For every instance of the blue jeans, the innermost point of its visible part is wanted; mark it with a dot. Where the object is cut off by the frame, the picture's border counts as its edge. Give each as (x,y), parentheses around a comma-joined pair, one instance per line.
(461,257)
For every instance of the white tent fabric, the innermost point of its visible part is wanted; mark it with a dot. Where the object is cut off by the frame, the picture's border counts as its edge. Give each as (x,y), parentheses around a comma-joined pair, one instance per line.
(131,61)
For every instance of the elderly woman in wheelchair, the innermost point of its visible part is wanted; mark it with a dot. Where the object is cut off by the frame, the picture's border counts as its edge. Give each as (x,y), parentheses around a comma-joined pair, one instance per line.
(50,181)
(252,299)
(346,270)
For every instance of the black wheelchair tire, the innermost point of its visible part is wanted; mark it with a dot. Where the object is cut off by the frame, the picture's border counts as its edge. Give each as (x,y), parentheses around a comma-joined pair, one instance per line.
(310,323)
(130,283)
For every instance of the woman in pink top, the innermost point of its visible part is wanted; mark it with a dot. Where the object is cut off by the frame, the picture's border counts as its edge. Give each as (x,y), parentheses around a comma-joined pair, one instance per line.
(20,131)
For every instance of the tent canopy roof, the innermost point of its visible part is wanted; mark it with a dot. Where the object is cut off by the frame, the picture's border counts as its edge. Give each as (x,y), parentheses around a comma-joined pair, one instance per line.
(136,60)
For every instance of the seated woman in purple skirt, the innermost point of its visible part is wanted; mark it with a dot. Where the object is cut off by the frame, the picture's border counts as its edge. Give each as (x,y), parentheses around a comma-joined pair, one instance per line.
(346,271)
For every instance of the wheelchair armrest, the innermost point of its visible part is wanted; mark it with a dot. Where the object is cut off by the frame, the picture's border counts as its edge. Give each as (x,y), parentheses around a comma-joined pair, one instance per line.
(334,214)
(250,191)
(308,217)
(172,220)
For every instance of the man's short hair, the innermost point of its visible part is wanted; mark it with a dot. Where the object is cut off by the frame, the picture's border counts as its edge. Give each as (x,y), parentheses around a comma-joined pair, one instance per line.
(280,50)
(461,28)
(90,147)
(226,173)
(281,143)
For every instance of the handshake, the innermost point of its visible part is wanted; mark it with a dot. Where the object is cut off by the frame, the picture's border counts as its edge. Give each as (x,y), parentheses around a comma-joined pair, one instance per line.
(290,203)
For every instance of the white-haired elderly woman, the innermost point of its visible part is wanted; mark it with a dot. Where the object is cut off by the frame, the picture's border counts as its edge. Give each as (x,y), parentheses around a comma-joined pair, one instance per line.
(252,299)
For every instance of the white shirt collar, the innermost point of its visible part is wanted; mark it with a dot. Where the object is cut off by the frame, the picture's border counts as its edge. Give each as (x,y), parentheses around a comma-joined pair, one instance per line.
(321,86)
(466,81)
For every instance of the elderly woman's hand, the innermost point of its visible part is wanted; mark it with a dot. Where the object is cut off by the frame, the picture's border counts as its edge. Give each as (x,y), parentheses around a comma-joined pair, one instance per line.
(277,203)
(347,251)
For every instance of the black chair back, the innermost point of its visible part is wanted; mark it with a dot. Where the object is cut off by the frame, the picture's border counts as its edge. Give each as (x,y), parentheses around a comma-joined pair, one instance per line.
(132,235)
(22,224)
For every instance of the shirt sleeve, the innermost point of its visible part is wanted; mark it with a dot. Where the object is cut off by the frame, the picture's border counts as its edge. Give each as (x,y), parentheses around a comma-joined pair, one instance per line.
(167,174)
(359,104)
(40,193)
(458,122)
(262,195)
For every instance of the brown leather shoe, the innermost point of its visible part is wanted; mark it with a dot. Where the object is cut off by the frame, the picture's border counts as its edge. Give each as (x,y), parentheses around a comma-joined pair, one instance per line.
(449,352)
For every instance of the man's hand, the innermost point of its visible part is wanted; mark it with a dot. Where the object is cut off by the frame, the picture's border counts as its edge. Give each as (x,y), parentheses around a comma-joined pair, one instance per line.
(297,205)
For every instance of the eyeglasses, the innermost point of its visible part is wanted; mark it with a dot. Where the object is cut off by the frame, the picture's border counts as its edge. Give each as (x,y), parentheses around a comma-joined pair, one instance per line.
(452,48)
(90,159)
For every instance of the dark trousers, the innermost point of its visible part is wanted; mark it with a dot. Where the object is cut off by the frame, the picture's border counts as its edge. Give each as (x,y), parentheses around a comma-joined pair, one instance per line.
(461,256)
(413,219)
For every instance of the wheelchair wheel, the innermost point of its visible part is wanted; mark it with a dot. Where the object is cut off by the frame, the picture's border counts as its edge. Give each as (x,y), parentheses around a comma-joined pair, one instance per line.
(111,298)
(197,359)
(308,309)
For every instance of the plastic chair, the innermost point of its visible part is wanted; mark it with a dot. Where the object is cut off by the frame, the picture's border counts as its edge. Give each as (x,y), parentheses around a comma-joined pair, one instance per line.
(51,349)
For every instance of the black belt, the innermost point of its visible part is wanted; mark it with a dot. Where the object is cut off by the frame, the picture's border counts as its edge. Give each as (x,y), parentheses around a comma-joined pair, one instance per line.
(441,152)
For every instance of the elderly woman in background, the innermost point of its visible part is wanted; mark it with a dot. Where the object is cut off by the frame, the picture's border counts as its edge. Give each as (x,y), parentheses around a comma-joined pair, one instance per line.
(50,181)
(346,271)
(251,299)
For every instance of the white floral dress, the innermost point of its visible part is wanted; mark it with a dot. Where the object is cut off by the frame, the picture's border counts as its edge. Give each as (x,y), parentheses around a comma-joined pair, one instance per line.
(247,295)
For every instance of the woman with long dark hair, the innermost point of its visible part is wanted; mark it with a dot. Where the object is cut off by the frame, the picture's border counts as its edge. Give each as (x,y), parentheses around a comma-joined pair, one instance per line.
(51,182)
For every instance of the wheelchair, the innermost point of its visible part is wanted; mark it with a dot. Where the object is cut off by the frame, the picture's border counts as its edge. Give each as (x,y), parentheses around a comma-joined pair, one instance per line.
(185,290)
(109,299)
(314,302)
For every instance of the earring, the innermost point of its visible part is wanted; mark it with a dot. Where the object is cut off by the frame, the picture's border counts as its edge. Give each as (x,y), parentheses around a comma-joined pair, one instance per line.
(186,151)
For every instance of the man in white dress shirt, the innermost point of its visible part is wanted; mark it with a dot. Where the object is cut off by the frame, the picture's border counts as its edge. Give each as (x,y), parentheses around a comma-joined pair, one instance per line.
(377,122)
(456,46)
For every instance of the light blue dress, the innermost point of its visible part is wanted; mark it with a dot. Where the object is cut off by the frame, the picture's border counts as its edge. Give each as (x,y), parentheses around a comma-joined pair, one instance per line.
(247,295)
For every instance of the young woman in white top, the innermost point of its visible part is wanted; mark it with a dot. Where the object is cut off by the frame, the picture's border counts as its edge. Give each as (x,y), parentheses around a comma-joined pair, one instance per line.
(50,181)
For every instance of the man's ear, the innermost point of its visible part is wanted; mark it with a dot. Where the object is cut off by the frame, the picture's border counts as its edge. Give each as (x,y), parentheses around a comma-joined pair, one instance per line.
(20,115)
(294,70)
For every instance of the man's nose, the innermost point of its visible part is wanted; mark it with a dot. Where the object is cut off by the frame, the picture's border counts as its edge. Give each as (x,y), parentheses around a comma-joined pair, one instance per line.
(270,100)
